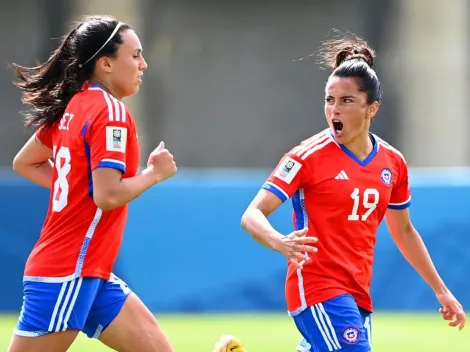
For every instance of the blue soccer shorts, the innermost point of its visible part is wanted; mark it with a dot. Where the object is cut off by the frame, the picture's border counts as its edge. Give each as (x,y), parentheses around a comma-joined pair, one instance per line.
(84,304)
(336,324)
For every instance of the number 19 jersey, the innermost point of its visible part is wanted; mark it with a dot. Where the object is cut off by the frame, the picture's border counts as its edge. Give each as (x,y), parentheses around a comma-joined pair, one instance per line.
(342,200)
(78,239)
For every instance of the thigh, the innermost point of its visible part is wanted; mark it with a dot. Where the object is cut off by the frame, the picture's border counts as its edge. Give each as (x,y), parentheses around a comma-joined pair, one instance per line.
(121,321)
(336,324)
(52,314)
(53,342)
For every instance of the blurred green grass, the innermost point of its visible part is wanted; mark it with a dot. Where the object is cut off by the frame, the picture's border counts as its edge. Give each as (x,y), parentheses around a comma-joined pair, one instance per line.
(392,332)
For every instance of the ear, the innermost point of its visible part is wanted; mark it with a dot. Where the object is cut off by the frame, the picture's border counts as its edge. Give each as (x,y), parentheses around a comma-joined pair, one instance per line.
(372,110)
(105,64)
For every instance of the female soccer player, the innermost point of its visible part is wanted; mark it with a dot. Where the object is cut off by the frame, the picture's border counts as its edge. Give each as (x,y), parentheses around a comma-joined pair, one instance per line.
(91,138)
(343,182)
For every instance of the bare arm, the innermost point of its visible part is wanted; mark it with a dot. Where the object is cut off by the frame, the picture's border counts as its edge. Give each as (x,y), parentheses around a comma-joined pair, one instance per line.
(412,247)
(32,162)
(254,221)
(111,191)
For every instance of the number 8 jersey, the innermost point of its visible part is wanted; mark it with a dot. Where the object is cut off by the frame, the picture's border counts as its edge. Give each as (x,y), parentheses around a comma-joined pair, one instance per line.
(342,200)
(78,239)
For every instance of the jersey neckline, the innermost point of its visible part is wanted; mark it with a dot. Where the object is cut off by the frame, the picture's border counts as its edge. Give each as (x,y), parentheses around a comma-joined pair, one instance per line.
(369,158)
(95,87)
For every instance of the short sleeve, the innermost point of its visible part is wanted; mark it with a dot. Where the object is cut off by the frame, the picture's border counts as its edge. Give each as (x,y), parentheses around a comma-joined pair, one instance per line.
(287,177)
(107,137)
(45,136)
(401,195)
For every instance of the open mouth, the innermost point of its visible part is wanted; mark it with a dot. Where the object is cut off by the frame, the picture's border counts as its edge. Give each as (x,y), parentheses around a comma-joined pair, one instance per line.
(337,126)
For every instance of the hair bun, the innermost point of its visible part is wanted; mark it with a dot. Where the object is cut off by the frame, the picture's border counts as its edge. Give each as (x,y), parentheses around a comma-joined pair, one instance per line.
(345,46)
(355,53)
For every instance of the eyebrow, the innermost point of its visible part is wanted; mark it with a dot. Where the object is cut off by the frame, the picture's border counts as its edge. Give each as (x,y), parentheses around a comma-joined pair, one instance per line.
(343,97)
(139,50)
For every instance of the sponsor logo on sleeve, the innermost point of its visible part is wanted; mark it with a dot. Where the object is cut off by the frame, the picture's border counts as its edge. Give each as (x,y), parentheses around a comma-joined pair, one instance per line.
(116,139)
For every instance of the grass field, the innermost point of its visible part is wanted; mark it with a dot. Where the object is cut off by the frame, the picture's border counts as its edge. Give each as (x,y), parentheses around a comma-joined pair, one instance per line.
(277,333)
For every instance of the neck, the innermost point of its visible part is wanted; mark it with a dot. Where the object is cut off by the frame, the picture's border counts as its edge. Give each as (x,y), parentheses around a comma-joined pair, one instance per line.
(107,87)
(361,146)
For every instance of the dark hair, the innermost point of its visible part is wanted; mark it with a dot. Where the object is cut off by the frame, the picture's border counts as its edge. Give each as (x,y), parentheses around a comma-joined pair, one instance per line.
(350,56)
(50,86)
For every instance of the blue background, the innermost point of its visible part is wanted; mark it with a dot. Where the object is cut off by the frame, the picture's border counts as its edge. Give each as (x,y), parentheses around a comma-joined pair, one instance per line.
(184,250)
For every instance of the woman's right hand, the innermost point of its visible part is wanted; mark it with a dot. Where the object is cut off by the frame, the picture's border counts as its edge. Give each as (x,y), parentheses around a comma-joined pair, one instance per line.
(160,165)
(295,247)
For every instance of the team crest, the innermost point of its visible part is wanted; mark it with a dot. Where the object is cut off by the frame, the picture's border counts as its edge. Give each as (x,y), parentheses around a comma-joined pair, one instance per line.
(351,335)
(386,176)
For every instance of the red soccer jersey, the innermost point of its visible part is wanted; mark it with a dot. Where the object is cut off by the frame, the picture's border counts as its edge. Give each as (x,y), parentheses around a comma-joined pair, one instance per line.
(342,200)
(78,239)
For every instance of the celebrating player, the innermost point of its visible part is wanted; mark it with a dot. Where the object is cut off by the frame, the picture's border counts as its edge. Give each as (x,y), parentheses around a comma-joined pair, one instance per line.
(343,182)
(91,138)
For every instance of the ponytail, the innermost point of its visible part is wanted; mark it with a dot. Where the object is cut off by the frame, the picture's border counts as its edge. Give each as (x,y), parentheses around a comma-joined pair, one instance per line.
(51,85)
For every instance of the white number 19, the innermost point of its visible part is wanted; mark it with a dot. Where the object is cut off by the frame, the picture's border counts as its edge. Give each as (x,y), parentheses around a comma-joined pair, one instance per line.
(370,206)
(61,185)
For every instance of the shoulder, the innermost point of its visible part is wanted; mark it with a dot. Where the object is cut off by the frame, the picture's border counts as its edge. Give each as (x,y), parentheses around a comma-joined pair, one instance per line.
(102,106)
(388,149)
(45,134)
(394,156)
(313,146)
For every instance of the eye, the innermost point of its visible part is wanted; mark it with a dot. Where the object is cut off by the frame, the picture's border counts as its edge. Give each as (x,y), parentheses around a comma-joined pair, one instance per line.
(348,100)
(329,100)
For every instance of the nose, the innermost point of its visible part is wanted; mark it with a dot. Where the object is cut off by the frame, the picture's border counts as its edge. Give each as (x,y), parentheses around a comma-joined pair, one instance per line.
(143,64)
(335,109)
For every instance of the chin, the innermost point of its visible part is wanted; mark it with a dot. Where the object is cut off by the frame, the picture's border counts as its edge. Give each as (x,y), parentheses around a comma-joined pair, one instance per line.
(132,92)
(341,138)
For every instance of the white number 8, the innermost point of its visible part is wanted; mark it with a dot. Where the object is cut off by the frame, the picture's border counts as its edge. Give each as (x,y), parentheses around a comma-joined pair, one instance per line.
(370,206)
(61,185)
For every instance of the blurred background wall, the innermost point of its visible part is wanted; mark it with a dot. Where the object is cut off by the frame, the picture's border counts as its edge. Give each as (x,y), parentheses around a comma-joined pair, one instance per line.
(230,88)
(225,86)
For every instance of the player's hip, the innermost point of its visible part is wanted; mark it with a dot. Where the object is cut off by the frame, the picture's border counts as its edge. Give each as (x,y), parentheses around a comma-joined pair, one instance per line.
(54,262)
(301,294)
(72,305)
(335,324)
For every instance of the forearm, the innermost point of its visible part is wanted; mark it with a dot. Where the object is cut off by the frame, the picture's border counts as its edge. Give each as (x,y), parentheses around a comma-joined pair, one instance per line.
(257,225)
(124,192)
(40,174)
(414,250)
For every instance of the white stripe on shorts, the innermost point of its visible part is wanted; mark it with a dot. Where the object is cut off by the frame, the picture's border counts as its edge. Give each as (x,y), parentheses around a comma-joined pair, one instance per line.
(72,304)
(325,327)
(62,317)
(56,307)
(330,325)
(30,333)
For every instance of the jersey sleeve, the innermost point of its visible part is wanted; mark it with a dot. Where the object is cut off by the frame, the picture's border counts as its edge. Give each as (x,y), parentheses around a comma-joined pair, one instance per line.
(287,177)
(45,136)
(401,195)
(108,136)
